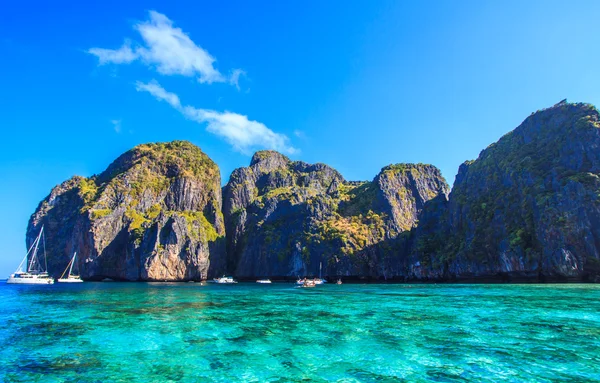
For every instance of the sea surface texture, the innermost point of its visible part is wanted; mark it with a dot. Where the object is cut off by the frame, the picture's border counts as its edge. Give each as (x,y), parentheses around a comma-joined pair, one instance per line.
(137,332)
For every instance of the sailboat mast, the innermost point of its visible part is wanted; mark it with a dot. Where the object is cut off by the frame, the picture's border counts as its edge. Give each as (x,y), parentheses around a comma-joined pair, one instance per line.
(320,268)
(24,261)
(20,268)
(45,258)
(72,263)
(33,257)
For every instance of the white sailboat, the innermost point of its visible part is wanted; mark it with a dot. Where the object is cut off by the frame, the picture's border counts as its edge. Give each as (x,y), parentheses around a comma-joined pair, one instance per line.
(70,277)
(320,281)
(33,273)
(316,281)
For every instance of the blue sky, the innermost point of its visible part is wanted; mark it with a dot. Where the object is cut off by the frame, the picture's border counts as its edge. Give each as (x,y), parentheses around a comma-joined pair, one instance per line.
(356,85)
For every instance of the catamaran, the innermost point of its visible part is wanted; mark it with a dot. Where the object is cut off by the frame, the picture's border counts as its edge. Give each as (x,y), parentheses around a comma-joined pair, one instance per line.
(33,274)
(71,278)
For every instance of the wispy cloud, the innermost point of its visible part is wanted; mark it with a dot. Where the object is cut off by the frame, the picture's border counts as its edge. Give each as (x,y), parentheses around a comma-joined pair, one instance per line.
(116,125)
(123,55)
(154,88)
(234,79)
(300,134)
(242,134)
(169,50)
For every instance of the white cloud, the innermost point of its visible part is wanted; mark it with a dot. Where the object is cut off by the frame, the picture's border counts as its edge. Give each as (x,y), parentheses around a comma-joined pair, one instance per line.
(299,134)
(243,134)
(173,52)
(123,55)
(240,132)
(234,79)
(116,125)
(154,88)
(169,50)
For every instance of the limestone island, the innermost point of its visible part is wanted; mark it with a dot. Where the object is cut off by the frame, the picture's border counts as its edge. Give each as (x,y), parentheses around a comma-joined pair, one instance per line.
(527,209)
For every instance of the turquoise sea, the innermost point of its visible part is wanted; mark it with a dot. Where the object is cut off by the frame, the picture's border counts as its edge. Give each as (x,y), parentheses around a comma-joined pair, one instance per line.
(145,332)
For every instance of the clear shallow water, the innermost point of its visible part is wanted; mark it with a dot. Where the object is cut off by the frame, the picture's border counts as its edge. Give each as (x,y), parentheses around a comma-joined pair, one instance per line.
(135,332)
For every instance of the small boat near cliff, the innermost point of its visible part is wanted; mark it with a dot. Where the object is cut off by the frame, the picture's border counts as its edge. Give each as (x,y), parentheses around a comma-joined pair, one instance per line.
(71,278)
(316,281)
(224,280)
(264,281)
(30,270)
(320,280)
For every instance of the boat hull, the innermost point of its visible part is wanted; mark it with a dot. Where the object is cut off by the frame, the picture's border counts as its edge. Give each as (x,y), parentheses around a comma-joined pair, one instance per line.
(69,280)
(34,280)
(224,280)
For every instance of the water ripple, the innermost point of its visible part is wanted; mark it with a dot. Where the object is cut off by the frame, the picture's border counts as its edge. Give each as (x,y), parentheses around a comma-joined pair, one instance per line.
(121,332)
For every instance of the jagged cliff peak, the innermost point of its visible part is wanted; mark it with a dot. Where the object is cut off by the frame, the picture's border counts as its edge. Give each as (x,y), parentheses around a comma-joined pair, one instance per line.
(539,138)
(404,189)
(407,167)
(527,206)
(547,124)
(173,159)
(286,217)
(564,107)
(269,159)
(154,214)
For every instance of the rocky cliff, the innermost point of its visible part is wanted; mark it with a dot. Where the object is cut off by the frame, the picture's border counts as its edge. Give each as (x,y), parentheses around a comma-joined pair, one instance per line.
(528,207)
(154,214)
(285,218)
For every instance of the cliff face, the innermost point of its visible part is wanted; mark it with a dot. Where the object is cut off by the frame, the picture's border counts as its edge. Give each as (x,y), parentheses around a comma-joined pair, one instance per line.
(285,218)
(529,206)
(154,214)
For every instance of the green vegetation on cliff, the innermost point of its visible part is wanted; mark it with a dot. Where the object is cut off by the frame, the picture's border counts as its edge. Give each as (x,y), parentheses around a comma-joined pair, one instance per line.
(154,213)
(527,204)
(147,173)
(308,214)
